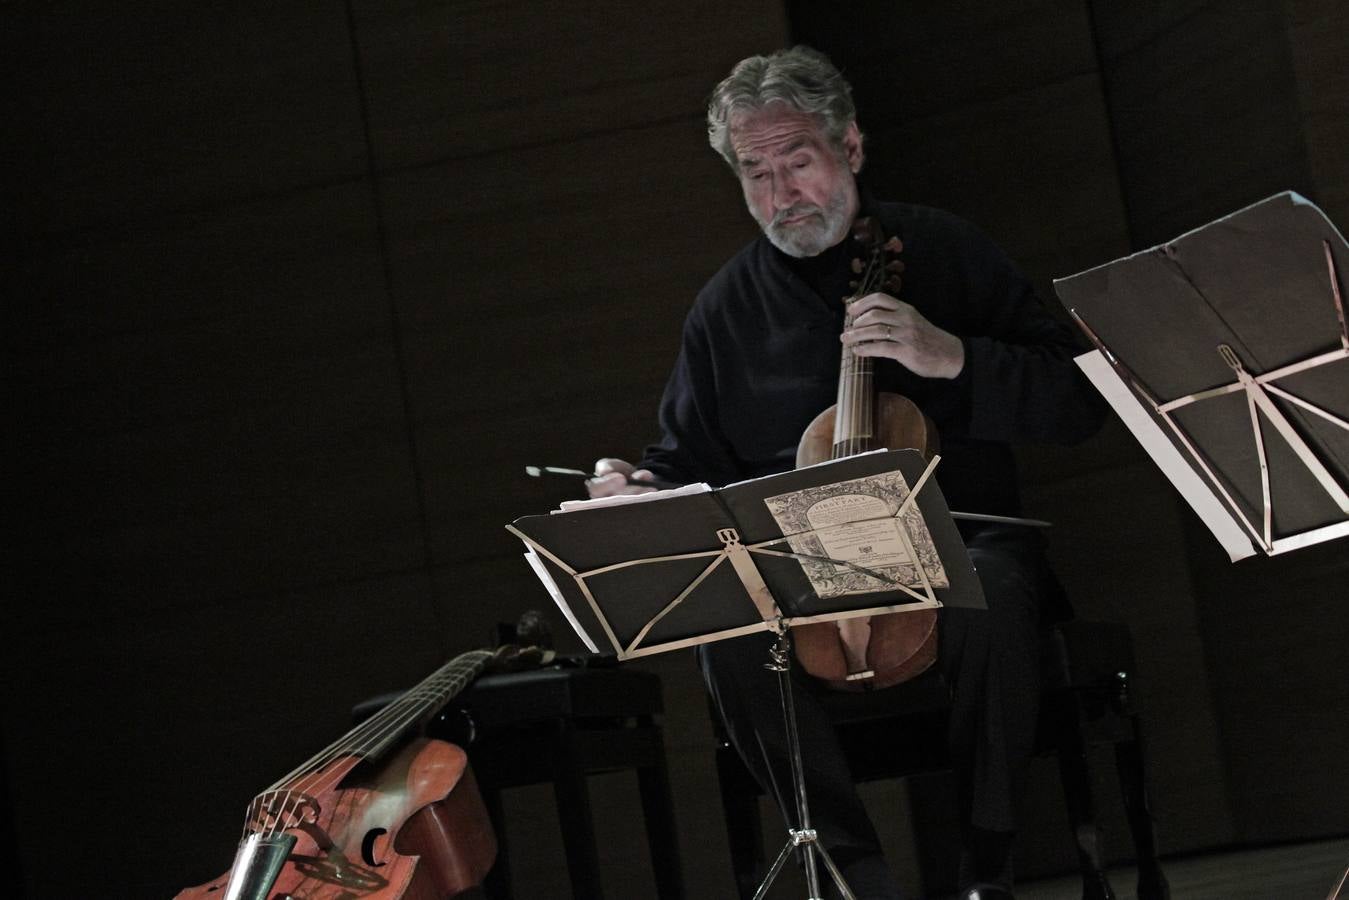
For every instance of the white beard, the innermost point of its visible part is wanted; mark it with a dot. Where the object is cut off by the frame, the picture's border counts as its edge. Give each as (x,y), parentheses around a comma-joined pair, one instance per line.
(824,228)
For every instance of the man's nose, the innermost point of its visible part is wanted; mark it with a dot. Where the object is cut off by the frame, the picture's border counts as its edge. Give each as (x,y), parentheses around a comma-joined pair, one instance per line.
(785,193)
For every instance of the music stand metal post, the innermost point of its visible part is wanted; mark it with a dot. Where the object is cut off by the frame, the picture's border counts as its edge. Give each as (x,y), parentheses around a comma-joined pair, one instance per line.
(804,838)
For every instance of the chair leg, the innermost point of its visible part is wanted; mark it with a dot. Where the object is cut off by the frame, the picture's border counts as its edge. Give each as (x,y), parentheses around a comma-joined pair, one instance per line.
(1152,884)
(653,783)
(1073,771)
(578,823)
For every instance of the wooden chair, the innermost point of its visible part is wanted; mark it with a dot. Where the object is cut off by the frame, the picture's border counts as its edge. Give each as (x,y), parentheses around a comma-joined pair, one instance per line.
(1087,668)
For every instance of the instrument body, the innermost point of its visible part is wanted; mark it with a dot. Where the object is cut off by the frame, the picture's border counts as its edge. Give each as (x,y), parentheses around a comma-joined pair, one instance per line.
(380,834)
(897,646)
(376,816)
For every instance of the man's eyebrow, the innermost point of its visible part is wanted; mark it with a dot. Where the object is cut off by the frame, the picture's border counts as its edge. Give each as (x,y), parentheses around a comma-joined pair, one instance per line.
(753,160)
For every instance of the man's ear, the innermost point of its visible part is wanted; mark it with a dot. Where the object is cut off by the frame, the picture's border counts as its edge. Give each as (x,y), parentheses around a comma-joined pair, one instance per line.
(852,147)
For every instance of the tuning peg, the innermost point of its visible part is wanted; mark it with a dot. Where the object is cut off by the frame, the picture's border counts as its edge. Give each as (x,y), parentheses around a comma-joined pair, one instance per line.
(894,245)
(895,265)
(892,285)
(857,267)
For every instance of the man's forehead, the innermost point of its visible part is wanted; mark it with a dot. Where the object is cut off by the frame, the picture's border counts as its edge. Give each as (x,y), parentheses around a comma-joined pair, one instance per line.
(773,130)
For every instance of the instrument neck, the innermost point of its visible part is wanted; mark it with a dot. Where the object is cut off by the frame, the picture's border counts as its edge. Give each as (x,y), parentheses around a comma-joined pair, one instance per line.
(377,734)
(282,805)
(855,412)
(433,692)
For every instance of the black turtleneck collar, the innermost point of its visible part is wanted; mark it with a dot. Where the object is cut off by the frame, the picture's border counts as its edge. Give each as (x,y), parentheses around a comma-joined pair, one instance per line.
(829,272)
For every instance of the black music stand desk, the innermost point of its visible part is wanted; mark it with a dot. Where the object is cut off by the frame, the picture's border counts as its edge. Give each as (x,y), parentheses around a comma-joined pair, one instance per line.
(1226,353)
(861,536)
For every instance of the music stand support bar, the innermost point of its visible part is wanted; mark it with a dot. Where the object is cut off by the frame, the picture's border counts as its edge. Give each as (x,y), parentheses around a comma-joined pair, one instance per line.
(804,837)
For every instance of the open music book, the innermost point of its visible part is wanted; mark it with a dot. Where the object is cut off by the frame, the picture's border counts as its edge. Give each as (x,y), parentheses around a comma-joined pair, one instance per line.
(865,535)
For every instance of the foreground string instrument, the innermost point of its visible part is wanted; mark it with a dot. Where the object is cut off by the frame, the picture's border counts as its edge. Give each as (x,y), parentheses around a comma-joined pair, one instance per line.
(381,814)
(876,651)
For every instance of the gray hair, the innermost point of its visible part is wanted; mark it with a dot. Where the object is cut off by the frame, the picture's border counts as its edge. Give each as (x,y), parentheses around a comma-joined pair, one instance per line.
(801,77)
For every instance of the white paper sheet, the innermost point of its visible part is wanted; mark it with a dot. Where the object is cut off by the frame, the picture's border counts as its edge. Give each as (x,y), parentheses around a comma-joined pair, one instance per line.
(541,570)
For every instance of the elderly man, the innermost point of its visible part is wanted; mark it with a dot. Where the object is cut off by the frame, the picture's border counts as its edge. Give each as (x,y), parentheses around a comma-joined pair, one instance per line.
(967,341)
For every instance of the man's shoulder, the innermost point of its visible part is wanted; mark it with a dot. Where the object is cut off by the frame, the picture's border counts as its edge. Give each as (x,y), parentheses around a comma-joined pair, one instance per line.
(928,221)
(943,237)
(739,278)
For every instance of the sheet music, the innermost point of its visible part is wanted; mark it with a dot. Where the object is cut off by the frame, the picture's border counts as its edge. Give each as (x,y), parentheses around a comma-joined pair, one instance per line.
(854,521)
(638,578)
(623,499)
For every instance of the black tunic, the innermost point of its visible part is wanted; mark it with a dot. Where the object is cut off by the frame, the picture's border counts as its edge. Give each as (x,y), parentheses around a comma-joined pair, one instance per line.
(760,359)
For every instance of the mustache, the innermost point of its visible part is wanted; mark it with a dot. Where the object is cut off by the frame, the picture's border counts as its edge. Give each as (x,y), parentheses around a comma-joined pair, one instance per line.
(794,211)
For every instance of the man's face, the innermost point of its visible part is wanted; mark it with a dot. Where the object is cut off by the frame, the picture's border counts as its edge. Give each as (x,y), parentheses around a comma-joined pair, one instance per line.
(799,188)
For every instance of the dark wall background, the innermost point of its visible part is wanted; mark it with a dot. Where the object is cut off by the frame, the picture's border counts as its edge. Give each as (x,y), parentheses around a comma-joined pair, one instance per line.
(293,293)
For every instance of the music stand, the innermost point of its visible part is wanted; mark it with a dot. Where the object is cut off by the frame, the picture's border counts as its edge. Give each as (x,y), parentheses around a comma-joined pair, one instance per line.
(861,536)
(1226,353)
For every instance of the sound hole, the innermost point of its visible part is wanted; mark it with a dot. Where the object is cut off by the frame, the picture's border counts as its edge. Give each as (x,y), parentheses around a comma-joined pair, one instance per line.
(368,846)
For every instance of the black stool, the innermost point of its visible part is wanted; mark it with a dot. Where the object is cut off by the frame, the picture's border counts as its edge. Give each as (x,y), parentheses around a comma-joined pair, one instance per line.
(561,725)
(1085,701)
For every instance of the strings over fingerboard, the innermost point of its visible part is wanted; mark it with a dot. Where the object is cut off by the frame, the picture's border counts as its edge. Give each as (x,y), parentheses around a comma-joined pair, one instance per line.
(855,416)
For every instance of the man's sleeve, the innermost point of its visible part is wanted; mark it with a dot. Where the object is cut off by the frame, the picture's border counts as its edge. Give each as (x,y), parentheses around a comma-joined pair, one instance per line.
(1019,360)
(691,447)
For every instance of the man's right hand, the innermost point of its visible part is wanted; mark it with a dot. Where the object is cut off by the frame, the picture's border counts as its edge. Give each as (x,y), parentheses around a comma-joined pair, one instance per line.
(611,477)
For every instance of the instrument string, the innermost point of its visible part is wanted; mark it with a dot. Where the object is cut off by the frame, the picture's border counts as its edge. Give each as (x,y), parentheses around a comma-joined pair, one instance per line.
(856,415)
(862,423)
(370,738)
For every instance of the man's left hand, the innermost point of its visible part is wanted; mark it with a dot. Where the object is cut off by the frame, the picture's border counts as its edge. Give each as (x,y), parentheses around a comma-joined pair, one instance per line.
(884,326)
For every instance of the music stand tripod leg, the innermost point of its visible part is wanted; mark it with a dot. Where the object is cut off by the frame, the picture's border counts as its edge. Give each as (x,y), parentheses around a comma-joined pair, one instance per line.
(804,837)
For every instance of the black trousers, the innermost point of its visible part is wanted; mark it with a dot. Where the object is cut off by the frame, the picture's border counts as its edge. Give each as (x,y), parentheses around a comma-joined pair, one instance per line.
(990,660)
